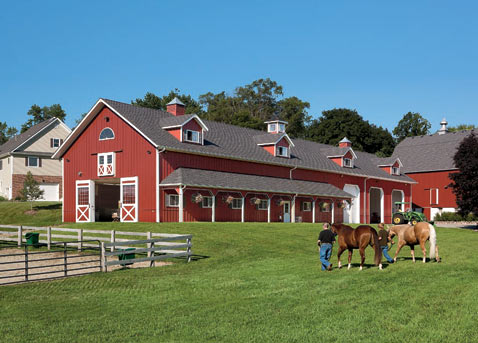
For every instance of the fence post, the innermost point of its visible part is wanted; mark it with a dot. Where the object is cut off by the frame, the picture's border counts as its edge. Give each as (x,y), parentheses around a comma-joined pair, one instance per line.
(103,258)
(149,246)
(189,249)
(113,239)
(20,236)
(80,239)
(64,259)
(26,262)
(48,237)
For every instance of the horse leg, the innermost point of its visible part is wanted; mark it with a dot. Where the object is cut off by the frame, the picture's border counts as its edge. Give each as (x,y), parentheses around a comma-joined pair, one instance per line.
(412,251)
(362,257)
(437,258)
(400,246)
(424,250)
(341,250)
(350,258)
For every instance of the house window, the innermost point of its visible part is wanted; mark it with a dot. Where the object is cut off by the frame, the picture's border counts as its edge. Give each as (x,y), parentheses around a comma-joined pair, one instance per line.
(236,203)
(106,164)
(107,133)
(348,163)
(272,128)
(32,161)
(263,205)
(206,202)
(172,200)
(282,151)
(192,136)
(306,206)
(55,142)
(395,171)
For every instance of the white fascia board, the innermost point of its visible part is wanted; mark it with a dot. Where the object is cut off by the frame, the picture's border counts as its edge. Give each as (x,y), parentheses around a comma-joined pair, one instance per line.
(199,121)
(29,139)
(278,140)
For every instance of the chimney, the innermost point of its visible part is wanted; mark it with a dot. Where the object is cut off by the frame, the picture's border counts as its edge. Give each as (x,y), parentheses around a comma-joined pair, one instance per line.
(443,128)
(175,107)
(345,143)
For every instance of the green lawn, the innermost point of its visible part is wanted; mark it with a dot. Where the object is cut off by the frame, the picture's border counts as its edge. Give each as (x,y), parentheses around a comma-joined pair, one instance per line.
(253,283)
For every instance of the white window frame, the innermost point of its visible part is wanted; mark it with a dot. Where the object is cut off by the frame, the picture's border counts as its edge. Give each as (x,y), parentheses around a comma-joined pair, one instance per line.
(281,128)
(272,128)
(309,206)
(261,205)
(208,200)
(344,164)
(192,133)
(105,139)
(278,149)
(238,201)
(168,200)
(396,170)
(436,196)
(105,164)
(38,162)
(57,141)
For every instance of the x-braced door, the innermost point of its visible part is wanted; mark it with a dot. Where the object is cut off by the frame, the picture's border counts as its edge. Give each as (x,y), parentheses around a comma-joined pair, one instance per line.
(85,201)
(129,199)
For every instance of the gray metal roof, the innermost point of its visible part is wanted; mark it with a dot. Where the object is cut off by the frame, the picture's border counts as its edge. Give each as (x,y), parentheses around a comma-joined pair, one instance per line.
(175,120)
(233,181)
(429,153)
(14,142)
(175,101)
(345,140)
(333,151)
(229,141)
(267,138)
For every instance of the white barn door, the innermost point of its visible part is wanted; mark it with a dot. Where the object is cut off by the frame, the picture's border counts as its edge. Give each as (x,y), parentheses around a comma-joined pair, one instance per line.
(85,201)
(129,199)
(352,212)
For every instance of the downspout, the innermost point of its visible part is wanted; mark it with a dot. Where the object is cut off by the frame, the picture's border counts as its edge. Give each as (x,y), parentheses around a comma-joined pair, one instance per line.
(158,180)
(290,172)
(365,199)
(181,203)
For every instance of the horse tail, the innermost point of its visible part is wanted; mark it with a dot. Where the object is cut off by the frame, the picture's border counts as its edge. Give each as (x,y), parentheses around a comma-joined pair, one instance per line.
(376,246)
(433,240)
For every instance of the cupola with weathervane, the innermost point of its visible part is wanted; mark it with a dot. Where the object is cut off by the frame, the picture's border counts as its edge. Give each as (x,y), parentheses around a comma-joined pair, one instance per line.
(276,126)
(276,141)
(343,155)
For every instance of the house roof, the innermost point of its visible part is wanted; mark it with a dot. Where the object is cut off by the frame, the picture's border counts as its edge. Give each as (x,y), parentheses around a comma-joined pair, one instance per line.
(13,143)
(232,142)
(429,153)
(254,183)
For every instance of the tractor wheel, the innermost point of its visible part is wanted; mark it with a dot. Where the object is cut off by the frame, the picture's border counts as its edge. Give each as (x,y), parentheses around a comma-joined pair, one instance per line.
(398,219)
(414,221)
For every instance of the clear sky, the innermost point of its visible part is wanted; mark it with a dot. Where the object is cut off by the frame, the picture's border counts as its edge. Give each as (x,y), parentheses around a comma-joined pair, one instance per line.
(382,58)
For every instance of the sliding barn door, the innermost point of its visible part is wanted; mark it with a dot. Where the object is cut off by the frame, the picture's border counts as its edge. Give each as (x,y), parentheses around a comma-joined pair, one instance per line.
(85,201)
(129,199)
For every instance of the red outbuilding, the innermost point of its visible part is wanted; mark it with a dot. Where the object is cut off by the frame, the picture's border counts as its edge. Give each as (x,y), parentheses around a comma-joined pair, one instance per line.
(139,164)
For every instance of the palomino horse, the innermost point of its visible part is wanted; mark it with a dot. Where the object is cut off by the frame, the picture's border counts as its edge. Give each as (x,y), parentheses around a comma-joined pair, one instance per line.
(359,238)
(413,235)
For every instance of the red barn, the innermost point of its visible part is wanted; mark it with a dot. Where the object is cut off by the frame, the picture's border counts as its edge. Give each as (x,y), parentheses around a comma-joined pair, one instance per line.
(155,166)
(429,161)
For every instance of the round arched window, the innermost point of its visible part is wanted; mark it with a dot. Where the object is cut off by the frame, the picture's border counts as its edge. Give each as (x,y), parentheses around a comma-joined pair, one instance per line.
(107,133)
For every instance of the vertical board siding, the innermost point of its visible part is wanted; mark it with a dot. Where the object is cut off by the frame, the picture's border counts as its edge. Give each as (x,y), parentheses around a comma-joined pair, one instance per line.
(134,157)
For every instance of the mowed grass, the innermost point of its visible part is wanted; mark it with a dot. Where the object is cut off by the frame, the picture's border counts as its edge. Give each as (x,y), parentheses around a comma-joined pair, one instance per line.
(255,282)
(47,213)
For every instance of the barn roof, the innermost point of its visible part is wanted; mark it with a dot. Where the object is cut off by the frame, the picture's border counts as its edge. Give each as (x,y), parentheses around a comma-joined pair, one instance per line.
(232,142)
(429,153)
(254,183)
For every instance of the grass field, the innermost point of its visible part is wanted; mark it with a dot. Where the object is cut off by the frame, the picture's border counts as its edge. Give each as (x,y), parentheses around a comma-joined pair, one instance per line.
(255,283)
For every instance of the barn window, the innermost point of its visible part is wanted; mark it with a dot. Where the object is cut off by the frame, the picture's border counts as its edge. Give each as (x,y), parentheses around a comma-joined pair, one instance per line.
(172,200)
(106,164)
(236,203)
(348,163)
(395,170)
(282,151)
(107,133)
(306,206)
(272,128)
(263,205)
(192,136)
(206,202)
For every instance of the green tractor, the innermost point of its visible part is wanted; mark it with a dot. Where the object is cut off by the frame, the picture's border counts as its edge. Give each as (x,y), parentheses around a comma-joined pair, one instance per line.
(412,217)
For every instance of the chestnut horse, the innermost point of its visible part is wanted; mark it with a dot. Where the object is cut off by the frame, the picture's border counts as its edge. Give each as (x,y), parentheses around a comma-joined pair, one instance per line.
(359,238)
(413,235)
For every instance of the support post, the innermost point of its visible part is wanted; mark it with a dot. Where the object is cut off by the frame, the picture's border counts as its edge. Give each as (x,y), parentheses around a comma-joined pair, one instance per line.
(333,212)
(243,209)
(189,249)
(292,219)
(269,210)
(48,237)
(26,262)
(80,239)
(113,239)
(65,263)
(213,210)
(103,262)
(20,236)
(148,245)
(181,204)
(313,211)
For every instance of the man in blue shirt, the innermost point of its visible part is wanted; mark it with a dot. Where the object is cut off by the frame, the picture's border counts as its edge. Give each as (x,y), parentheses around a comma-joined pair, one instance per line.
(325,241)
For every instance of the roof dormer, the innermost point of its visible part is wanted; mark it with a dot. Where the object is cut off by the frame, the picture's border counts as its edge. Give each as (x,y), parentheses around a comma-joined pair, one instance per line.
(344,157)
(276,144)
(185,128)
(276,126)
(391,165)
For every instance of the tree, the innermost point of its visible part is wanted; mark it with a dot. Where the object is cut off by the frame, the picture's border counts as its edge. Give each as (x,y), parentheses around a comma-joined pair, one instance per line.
(461,127)
(31,190)
(338,123)
(412,124)
(39,114)
(465,181)
(6,132)
(151,100)
(294,111)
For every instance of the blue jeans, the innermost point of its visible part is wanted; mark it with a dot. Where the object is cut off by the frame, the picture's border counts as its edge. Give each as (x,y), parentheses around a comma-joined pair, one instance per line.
(385,253)
(325,252)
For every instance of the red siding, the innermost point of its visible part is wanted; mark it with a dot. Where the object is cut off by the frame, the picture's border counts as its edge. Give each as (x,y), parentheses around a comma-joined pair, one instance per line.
(176,133)
(132,150)
(271,149)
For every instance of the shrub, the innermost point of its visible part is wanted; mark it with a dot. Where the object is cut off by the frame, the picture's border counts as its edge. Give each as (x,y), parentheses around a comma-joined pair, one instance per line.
(455,217)
(3,198)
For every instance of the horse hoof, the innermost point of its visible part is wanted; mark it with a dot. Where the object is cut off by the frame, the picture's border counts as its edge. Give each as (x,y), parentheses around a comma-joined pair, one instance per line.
(349,266)
(360,267)
(340,265)
(380,266)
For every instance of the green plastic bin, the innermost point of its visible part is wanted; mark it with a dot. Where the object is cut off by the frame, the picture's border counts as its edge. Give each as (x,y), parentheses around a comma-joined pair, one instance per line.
(32,238)
(126,256)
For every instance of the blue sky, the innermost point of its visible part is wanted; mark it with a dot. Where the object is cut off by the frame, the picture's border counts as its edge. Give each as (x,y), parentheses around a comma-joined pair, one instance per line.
(382,58)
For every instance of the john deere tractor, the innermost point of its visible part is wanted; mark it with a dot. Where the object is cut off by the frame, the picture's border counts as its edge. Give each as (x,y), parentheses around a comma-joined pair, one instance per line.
(411,217)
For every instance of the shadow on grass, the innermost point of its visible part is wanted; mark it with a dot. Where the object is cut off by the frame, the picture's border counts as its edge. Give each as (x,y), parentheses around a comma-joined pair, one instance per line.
(47,207)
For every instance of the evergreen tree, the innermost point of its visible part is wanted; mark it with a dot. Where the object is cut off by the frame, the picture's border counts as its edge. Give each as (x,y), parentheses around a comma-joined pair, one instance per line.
(39,114)
(6,132)
(31,190)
